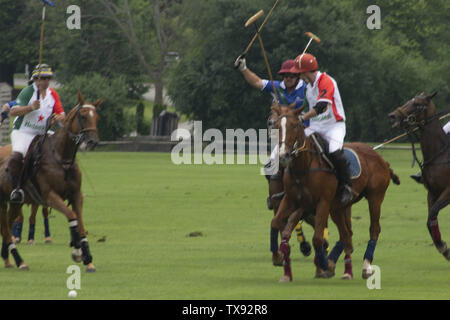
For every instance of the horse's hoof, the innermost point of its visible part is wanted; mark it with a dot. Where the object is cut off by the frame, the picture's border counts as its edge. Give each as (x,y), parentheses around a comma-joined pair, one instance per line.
(324,274)
(8,265)
(305,248)
(76,255)
(277,259)
(285,279)
(24,267)
(48,240)
(366,273)
(347,276)
(90,268)
(16,240)
(30,242)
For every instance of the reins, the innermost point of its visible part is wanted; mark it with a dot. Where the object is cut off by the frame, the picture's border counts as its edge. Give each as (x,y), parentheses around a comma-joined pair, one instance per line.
(412,125)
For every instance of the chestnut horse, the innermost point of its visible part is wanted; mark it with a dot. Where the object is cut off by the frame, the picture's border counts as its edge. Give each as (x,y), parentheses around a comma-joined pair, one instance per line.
(310,186)
(5,152)
(420,112)
(53,176)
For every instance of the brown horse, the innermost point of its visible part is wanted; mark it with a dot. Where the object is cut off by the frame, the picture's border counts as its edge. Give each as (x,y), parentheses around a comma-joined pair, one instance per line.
(420,112)
(5,153)
(311,189)
(56,177)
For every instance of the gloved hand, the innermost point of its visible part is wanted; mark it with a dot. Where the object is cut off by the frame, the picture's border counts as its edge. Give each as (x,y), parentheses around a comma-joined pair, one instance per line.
(240,63)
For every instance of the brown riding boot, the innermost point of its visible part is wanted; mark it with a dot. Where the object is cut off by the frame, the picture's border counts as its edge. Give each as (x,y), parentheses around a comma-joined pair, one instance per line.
(15,169)
(343,175)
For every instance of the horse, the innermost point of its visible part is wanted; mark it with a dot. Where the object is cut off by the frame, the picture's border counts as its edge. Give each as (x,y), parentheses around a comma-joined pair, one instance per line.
(420,112)
(311,185)
(5,152)
(276,192)
(53,176)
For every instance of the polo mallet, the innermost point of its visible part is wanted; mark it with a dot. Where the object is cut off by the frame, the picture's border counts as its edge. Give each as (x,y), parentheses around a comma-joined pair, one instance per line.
(250,21)
(404,134)
(255,17)
(41,42)
(312,37)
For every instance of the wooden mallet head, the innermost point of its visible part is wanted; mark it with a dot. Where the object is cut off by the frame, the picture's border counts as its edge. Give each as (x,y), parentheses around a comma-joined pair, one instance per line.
(312,37)
(255,17)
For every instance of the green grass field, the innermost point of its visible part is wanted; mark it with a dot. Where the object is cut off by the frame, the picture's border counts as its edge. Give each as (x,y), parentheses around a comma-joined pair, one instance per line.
(146,207)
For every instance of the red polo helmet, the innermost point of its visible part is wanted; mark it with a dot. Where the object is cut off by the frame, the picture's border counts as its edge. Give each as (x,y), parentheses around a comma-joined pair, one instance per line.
(304,63)
(286,67)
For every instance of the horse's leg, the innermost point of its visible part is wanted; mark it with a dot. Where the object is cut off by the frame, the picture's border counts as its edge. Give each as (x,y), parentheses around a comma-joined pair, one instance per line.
(32,223)
(275,187)
(293,219)
(77,206)
(47,236)
(339,218)
(375,199)
(348,271)
(6,238)
(17,228)
(321,261)
(57,203)
(8,244)
(432,222)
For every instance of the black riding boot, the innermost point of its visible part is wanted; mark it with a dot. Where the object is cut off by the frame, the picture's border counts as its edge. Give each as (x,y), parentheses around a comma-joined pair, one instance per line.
(15,167)
(343,175)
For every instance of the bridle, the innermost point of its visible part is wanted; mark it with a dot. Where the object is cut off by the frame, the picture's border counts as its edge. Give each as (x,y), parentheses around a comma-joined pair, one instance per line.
(298,146)
(79,137)
(409,123)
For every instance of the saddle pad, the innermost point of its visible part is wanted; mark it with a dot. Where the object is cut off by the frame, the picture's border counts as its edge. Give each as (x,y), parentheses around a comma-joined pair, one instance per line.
(353,163)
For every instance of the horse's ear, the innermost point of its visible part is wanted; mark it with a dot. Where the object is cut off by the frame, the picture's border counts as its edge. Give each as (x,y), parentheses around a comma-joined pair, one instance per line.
(80,98)
(299,111)
(431,96)
(97,103)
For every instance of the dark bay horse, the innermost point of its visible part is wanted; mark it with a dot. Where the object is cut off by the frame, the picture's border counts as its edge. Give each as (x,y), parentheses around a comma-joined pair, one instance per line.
(5,153)
(420,112)
(56,178)
(310,189)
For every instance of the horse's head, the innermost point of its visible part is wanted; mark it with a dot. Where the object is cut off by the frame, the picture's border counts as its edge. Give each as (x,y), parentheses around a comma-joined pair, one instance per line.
(291,133)
(414,112)
(82,122)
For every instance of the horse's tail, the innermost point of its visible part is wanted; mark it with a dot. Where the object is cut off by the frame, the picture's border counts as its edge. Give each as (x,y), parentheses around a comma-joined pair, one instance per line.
(394,177)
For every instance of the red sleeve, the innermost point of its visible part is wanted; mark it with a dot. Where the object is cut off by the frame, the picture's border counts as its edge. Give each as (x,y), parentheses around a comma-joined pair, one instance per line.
(57,108)
(326,89)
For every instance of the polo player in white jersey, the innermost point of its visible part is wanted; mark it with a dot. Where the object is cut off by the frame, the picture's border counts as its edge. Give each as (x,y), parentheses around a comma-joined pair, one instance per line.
(327,117)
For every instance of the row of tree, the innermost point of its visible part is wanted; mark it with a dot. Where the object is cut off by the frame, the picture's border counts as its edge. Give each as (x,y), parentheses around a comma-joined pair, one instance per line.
(124,45)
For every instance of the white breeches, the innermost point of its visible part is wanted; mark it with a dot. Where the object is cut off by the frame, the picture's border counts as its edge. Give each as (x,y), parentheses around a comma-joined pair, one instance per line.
(21,141)
(334,135)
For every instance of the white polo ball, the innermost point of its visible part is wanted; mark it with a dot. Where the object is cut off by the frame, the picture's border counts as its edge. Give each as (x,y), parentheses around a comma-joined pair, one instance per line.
(72,294)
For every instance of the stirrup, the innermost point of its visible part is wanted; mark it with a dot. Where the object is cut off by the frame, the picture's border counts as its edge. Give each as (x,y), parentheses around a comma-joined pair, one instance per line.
(17,196)
(417,177)
(347,194)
